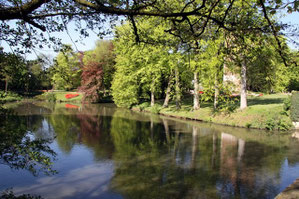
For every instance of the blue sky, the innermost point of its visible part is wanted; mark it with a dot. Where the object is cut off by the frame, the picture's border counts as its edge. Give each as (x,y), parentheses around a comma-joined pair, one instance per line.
(89,42)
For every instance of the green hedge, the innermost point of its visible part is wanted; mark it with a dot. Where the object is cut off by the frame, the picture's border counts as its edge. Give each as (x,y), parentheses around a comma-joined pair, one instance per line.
(9,96)
(295,107)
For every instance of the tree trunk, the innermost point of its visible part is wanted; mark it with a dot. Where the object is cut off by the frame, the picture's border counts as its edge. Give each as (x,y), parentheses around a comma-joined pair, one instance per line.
(196,105)
(168,89)
(241,148)
(166,128)
(152,98)
(152,94)
(216,93)
(152,128)
(194,146)
(104,91)
(177,89)
(214,155)
(6,85)
(243,101)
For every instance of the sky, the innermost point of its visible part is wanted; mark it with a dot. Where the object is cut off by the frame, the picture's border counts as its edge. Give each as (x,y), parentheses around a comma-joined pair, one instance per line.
(84,44)
(89,42)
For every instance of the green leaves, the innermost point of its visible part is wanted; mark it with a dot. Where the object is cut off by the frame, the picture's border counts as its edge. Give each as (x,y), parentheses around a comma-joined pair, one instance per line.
(97,70)
(19,150)
(66,71)
(140,68)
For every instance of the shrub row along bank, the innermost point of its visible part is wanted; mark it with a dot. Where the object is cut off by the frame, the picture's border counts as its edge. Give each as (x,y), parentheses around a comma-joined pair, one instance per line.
(9,97)
(264,112)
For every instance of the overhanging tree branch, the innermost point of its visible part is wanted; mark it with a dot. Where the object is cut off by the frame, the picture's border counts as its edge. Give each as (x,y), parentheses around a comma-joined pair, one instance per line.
(274,33)
(19,12)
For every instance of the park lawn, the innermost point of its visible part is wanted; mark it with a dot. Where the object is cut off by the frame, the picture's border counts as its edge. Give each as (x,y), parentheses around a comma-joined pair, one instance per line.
(263,112)
(60,96)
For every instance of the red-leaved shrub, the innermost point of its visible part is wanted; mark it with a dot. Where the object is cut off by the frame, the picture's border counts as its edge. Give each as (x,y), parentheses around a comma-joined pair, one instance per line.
(91,81)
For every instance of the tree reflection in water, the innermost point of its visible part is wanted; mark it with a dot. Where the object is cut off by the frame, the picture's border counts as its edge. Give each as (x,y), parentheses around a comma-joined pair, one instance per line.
(19,149)
(156,157)
(156,160)
(90,126)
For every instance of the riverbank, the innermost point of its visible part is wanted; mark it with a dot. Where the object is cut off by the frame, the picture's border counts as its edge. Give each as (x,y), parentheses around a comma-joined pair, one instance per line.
(292,191)
(68,96)
(263,112)
(60,96)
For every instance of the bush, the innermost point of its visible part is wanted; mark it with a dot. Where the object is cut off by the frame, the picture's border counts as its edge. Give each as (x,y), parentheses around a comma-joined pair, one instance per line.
(156,109)
(227,103)
(143,106)
(9,96)
(286,106)
(248,125)
(295,107)
(278,123)
(50,97)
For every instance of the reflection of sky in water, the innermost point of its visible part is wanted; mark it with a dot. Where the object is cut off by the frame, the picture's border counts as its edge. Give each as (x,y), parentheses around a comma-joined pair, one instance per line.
(90,181)
(289,173)
(46,131)
(226,164)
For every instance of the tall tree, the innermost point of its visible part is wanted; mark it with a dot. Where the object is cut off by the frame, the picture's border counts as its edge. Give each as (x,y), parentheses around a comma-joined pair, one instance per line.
(241,42)
(104,53)
(12,70)
(144,67)
(97,70)
(66,70)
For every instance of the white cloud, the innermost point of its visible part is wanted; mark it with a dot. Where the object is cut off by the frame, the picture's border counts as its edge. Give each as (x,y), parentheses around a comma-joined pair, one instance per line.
(88,182)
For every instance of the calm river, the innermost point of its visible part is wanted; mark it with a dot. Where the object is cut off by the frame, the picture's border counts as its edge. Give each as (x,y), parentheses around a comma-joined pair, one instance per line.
(100,151)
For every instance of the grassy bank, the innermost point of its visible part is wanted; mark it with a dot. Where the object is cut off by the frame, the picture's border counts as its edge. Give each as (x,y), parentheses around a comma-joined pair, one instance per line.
(61,96)
(263,112)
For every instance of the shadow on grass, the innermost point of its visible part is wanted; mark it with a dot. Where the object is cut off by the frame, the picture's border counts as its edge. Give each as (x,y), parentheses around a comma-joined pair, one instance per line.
(187,103)
(263,101)
(188,106)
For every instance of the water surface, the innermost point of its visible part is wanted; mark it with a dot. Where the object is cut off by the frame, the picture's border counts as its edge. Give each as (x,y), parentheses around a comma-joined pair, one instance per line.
(100,151)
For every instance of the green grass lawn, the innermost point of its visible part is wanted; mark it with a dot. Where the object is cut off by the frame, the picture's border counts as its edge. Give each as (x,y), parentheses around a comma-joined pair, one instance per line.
(263,112)
(59,96)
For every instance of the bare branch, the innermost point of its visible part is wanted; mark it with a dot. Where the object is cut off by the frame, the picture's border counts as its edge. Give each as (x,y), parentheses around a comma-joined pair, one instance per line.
(31,22)
(134,28)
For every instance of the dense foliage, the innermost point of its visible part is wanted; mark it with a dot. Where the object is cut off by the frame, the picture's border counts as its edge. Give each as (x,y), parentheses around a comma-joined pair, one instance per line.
(19,150)
(97,71)
(293,72)
(18,74)
(143,71)
(295,106)
(180,50)
(35,19)
(66,70)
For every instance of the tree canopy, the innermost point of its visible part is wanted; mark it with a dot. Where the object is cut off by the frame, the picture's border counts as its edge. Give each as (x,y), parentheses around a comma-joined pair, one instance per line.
(36,19)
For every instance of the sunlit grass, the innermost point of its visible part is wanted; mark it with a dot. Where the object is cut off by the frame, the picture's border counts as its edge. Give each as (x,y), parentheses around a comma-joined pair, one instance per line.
(263,112)
(60,96)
